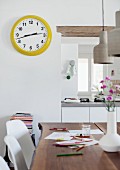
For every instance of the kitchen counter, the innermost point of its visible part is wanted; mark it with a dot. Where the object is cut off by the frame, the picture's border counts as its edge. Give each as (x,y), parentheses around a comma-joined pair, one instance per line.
(85,104)
(86,111)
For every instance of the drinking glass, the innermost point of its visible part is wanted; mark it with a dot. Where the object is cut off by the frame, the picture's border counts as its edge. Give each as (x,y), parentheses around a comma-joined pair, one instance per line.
(86,130)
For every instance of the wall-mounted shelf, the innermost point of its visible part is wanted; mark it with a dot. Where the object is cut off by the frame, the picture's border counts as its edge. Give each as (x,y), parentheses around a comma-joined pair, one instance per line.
(81,31)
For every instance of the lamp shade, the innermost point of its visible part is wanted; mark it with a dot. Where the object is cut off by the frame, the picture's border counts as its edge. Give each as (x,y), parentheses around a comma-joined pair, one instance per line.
(114,38)
(100,52)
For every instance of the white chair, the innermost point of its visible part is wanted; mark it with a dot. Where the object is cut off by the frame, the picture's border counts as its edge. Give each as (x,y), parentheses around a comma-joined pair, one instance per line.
(16,153)
(3,164)
(18,129)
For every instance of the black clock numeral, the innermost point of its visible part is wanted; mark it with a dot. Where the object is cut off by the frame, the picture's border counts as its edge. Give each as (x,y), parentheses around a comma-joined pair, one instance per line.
(42,28)
(37,46)
(30,48)
(31,22)
(24,45)
(24,24)
(37,23)
(19,41)
(17,34)
(42,41)
(44,34)
(20,28)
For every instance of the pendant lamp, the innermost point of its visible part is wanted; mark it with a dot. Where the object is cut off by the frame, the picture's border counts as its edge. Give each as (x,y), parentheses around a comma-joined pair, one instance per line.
(100,52)
(114,38)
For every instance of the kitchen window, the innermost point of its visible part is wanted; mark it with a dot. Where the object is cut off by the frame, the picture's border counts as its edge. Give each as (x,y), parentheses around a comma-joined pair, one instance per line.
(89,74)
(83,74)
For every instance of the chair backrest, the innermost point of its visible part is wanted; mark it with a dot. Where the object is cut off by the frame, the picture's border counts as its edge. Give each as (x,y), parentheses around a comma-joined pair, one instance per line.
(3,164)
(16,153)
(18,129)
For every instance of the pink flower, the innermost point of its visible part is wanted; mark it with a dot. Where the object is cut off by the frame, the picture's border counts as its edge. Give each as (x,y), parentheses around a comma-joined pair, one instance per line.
(107,78)
(109,98)
(103,87)
(117,86)
(111,91)
(102,81)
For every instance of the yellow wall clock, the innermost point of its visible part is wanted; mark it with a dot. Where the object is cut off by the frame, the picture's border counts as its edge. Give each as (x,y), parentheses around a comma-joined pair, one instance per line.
(31,35)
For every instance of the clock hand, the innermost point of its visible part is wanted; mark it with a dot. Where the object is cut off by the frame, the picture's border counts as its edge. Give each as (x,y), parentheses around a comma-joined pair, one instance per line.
(30,35)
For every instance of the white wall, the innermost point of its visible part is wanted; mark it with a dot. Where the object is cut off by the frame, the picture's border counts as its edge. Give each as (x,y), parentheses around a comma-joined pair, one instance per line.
(33,84)
(28,84)
(69,87)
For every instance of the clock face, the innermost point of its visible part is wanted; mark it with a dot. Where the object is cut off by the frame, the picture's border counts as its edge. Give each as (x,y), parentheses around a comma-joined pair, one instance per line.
(31,35)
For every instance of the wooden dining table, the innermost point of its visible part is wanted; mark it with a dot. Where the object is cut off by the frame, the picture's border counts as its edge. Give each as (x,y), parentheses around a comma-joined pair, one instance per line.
(93,158)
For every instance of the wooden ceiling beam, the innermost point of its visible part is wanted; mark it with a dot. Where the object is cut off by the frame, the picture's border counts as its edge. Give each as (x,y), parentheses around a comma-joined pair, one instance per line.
(82,31)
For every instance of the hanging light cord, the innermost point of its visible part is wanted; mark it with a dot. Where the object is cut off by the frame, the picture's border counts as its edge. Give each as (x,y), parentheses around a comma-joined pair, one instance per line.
(103,15)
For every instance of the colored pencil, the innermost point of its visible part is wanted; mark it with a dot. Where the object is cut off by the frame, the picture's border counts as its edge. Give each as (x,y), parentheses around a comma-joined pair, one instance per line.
(69,154)
(79,148)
